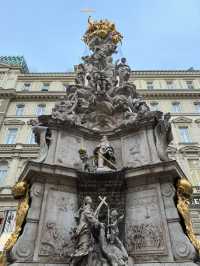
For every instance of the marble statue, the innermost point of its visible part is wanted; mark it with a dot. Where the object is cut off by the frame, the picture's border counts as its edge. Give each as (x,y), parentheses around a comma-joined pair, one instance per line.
(83,234)
(164,136)
(93,244)
(104,153)
(122,71)
(102,160)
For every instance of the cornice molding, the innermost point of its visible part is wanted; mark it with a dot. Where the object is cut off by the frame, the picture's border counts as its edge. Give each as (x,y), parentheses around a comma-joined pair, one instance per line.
(171,149)
(24,149)
(184,114)
(68,76)
(5,66)
(190,149)
(8,67)
(14,122)
(155,94)
(7,93)
(169,94)
(166,74)
(181,119)
(134,74)
(40,95)
(160,94)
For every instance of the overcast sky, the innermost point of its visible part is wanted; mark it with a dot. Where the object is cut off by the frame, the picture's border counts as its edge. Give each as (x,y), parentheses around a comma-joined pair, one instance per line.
(158,34)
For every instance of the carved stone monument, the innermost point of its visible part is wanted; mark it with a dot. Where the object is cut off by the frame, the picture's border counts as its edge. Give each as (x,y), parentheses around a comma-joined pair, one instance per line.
(103,191)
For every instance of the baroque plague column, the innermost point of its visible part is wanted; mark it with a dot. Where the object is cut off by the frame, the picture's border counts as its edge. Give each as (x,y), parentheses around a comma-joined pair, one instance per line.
(102,191)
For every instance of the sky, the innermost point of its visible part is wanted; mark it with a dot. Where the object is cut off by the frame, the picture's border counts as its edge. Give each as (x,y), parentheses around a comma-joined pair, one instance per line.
(158,34)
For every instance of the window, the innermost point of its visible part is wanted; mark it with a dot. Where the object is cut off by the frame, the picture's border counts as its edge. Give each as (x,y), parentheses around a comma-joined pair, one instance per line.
(32,138)
(194,165)
(66,87)
(154,106)
(40,109)
(1,224)
(170,85)
(189,84)
(11,136)
(176,107)
(45,87)
(27,86)
(150,85)
(19,109)
(2,75)
(3,172)
(9,225)
(184,134)
(197,107)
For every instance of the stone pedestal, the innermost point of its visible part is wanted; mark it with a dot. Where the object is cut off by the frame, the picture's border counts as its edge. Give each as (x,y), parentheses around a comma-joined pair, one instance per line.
(153,228)
(46,236)
(153,232)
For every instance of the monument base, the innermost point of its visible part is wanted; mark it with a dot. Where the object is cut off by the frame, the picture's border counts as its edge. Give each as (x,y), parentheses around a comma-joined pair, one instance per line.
(143,264)
(167,264)
(153,226)
(147,194)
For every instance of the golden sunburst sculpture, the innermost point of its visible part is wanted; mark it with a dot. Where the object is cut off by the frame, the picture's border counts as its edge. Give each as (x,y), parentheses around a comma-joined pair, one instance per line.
(102,29)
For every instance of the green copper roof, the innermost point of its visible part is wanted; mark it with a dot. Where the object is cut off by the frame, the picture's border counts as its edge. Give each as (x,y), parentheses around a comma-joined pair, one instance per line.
(15,61)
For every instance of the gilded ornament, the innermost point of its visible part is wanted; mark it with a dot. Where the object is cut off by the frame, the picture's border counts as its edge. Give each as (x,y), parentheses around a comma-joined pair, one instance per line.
(3,261)
(184,193)
(22,210)
(20,190)
(102,29)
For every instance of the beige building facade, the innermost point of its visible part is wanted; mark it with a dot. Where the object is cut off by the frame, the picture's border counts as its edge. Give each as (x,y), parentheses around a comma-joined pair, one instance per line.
(25,95)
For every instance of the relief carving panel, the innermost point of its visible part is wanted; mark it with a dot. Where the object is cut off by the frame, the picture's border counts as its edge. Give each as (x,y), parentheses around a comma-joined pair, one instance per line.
(135,150)
(68,147)
(58,225)
(145,229)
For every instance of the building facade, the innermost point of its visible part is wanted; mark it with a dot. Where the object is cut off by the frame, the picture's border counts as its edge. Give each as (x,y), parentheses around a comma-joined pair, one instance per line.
(25,95)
